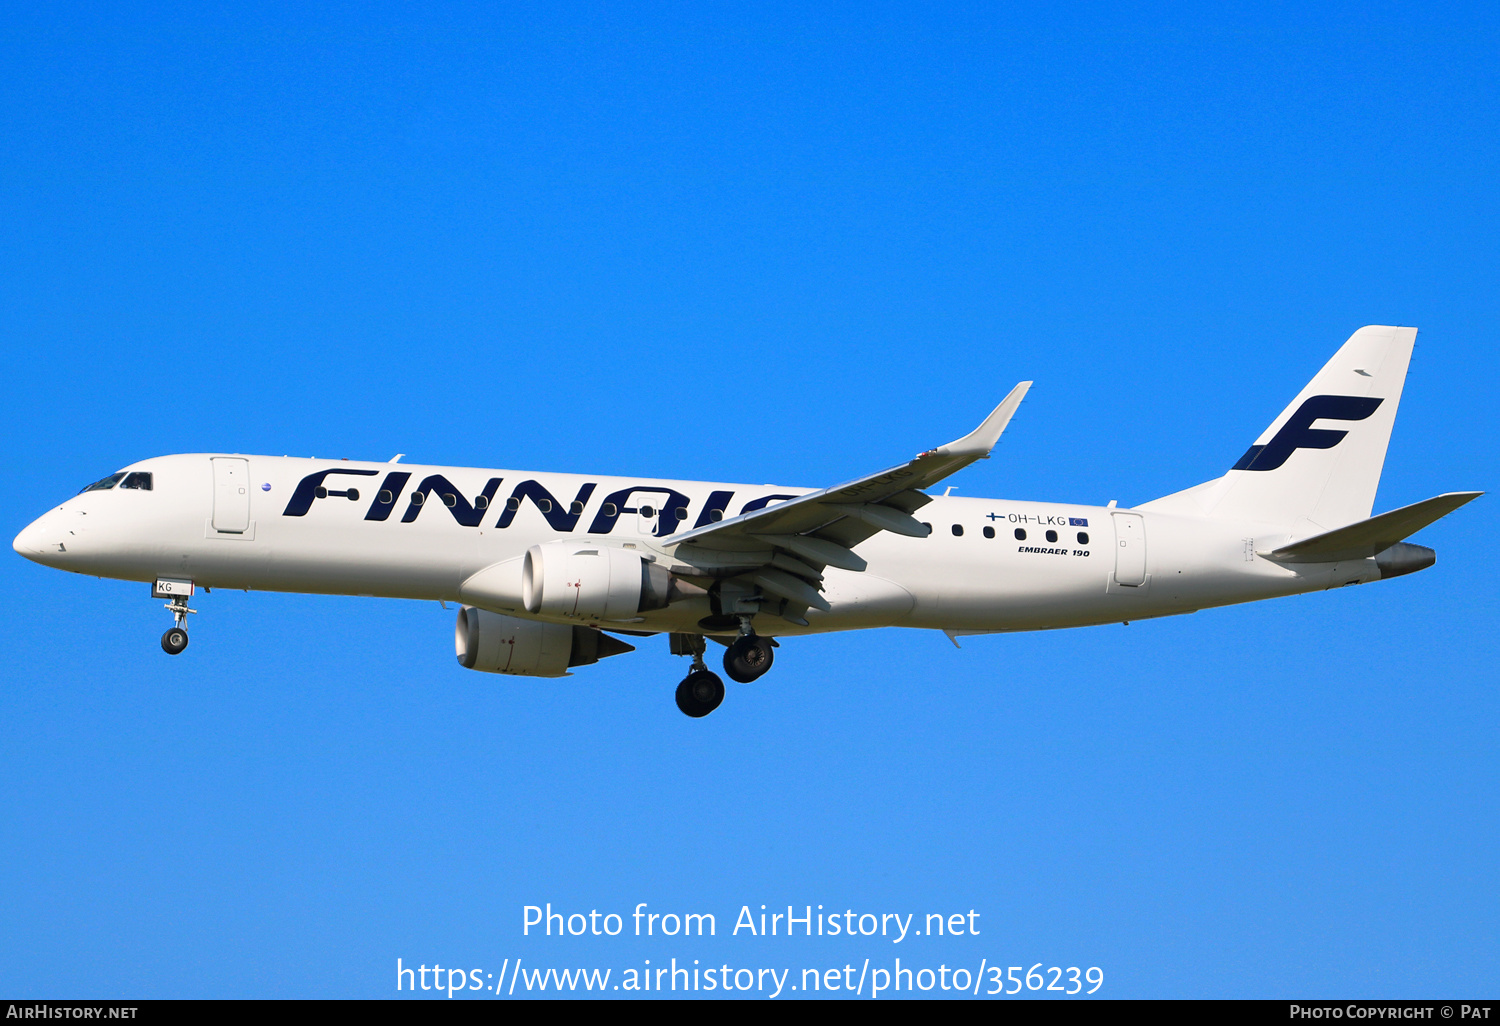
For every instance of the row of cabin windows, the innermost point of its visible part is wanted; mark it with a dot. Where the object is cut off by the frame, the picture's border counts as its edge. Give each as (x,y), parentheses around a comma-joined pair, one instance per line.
(386,497)
(513,504)
(989,532)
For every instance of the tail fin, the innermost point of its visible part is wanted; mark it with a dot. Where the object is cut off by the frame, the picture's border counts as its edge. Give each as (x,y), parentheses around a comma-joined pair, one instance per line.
(1317,478)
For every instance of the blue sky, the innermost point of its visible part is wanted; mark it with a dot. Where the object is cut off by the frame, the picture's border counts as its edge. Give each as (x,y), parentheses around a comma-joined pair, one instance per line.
(748,243)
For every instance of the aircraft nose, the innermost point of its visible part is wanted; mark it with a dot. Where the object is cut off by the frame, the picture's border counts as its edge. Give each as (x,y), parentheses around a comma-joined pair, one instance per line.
(29,542)
(41,541)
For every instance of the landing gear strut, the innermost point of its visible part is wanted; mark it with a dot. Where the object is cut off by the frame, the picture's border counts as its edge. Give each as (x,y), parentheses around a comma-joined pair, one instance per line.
(177,593)
(749,655)
(701,691)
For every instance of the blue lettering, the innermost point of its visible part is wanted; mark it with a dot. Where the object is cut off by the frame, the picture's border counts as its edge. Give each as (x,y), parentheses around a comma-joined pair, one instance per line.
(666,521)
(393,483)
(465,514)
(559,518)
(307,489)
(717,501)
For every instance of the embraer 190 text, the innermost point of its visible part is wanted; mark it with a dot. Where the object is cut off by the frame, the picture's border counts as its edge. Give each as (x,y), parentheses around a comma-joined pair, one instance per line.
(545,564)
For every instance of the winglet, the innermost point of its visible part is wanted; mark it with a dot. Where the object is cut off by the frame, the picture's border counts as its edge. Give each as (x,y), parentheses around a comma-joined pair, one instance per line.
(981,440)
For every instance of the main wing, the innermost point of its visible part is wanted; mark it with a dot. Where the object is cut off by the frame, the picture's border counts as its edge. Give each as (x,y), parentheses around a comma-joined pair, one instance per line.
(783,549)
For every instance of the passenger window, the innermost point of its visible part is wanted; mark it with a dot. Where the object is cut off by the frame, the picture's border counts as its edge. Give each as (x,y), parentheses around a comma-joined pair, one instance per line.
(715,515)
(450,500)
(1052,536)
(576,509)
(1020,534)
(647,512)
(321,492)
(545,505)
(417,498)
(102,486)
(609,509)
(513,503)
(1083,537)
(481,502)
(385,498)
(352,495)
(989,532)
(139,479)
(958,530)
(681,512)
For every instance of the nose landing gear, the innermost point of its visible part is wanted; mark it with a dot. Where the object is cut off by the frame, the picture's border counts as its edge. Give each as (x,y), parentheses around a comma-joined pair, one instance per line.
(177,593)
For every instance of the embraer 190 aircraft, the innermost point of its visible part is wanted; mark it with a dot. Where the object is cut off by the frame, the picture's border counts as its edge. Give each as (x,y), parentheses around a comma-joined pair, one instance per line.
(545,564)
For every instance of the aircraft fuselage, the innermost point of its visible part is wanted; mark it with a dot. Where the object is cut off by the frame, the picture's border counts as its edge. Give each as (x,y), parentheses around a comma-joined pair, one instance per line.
(289,524)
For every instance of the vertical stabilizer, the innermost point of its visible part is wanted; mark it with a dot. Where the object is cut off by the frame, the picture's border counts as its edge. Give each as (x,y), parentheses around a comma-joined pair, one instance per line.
(1317,466)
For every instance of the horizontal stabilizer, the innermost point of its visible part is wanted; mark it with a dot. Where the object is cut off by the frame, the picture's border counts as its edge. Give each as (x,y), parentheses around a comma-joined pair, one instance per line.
(1368,537)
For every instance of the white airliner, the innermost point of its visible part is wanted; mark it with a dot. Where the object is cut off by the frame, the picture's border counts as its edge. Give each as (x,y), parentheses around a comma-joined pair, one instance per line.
(544,564)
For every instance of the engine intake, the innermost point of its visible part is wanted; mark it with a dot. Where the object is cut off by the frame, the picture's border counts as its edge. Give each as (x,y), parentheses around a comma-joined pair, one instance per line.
(495,643)
(577,581)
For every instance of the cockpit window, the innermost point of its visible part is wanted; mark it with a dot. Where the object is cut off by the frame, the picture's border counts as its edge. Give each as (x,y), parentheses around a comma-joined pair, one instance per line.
(137,479)
(102,486)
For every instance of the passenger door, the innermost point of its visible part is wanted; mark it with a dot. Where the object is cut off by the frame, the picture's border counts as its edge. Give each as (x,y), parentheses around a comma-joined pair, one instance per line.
(1130,549)
(231,495)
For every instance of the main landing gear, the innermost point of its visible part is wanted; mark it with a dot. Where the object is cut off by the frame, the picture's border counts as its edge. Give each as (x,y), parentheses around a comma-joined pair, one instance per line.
(747,658)
(701,690)
(700,693)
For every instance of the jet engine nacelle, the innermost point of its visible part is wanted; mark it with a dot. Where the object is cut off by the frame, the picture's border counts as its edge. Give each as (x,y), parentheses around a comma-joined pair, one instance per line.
(591,582)
(496,643)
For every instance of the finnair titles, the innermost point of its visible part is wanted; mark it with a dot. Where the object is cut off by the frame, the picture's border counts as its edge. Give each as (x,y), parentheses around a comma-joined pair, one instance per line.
(553,570)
